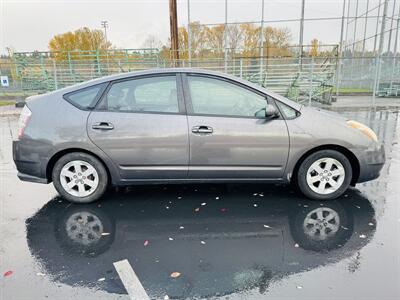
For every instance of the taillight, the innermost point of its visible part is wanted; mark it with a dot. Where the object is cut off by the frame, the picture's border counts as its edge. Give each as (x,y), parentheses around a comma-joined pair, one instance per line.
(23,120)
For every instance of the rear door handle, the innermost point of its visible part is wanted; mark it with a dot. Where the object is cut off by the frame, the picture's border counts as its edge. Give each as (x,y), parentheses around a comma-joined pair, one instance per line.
(202,129)
(103,126)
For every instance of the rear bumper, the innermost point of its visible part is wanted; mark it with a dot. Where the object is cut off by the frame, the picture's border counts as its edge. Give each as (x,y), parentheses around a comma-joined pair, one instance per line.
(371,161)
(30,178)
(28,164)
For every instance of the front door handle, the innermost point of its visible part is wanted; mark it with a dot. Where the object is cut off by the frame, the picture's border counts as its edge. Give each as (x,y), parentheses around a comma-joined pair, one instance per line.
(202,129)
(103,126)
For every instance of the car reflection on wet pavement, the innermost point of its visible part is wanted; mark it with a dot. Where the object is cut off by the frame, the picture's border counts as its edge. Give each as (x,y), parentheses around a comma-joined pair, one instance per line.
(204,241)
(237,242)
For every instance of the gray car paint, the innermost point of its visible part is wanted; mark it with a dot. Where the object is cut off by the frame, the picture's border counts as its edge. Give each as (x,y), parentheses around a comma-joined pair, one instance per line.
(56,126)
(238,148)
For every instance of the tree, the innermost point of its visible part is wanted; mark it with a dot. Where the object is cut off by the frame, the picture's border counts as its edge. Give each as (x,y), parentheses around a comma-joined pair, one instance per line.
(276,41)
(152,42)
(251,39)
(215,38)
(235,36)
(83,39)
(314,47)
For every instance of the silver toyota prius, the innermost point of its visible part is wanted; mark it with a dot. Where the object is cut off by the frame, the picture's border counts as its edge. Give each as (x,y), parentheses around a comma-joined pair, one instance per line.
(187,125)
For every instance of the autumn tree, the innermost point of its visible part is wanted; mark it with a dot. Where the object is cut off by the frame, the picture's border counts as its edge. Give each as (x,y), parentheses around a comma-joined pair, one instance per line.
(235,36)
(215,37)
(251,39)
(197,39)
(83,39)
(314,48)
(276,41)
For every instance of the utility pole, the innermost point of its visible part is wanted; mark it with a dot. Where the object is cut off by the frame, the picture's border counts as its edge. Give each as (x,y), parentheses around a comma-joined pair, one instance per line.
(189,35)
(104,24)
(173,25)
(301,34)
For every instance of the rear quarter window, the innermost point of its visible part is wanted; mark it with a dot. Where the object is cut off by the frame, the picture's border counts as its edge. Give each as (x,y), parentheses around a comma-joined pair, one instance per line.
(85,98)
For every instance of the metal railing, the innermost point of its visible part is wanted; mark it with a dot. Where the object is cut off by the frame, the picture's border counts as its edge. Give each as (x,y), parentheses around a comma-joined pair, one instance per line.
(301,79)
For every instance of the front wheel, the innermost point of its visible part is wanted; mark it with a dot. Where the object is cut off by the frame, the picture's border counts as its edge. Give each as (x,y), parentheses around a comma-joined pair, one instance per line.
(80,177)
(324,175)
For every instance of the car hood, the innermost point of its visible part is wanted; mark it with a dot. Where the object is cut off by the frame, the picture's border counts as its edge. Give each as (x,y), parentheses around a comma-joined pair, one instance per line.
(323,113)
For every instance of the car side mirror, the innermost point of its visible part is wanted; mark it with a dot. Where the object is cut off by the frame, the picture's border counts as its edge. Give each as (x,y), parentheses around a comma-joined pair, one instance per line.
(270,111)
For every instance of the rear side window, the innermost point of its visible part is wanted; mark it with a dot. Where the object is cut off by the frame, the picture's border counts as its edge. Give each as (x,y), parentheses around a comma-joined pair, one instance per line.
(152,94)
(85,98)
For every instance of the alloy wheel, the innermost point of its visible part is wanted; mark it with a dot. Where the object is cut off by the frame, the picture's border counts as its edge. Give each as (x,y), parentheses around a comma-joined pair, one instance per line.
(325,176)
(79,178)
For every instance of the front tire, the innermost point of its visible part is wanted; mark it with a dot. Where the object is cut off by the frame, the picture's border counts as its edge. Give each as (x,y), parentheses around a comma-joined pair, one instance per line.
(80,177)
(324,175)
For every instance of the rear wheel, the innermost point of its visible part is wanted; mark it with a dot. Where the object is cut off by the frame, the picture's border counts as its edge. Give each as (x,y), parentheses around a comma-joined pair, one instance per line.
(80,177)
(325,174)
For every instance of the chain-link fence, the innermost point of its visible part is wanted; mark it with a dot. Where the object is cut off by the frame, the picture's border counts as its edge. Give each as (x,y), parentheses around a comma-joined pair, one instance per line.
(365,60)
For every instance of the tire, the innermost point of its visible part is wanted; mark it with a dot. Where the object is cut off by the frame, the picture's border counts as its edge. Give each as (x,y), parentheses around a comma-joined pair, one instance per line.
(335,180)
(70,181)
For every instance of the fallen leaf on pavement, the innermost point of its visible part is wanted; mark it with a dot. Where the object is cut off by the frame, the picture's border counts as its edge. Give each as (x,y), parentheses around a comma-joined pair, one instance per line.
(175,274)
(8,273)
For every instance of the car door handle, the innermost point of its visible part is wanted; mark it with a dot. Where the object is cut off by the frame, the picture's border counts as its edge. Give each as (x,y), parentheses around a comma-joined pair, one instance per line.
(202,129)
(103,126)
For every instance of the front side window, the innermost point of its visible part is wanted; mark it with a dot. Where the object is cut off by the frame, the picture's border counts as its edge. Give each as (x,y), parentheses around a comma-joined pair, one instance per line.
(86,97)
(152,94)
(218,97)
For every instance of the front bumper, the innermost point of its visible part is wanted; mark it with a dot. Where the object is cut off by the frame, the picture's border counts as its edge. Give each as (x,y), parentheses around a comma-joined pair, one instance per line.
(371,161)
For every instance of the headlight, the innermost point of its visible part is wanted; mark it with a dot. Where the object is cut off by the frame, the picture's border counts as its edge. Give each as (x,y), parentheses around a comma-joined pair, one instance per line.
(364,129)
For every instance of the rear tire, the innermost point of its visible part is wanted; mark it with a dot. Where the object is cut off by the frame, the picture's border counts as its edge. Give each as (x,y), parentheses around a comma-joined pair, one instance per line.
(324,175)
(80,177)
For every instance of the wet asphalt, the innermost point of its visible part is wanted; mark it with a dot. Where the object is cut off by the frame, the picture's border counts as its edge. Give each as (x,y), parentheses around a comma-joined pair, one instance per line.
(219,241)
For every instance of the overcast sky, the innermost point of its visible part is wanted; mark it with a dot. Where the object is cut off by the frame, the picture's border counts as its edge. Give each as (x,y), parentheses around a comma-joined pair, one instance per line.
(29,25)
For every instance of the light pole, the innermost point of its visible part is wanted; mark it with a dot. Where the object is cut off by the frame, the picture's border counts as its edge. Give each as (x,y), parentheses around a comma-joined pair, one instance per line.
(104,24)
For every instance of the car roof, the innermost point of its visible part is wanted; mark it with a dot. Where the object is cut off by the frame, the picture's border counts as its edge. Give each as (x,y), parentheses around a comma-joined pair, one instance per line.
(177,70)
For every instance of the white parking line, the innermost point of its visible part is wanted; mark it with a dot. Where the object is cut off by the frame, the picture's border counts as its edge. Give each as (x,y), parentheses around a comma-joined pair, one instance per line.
(130,281)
